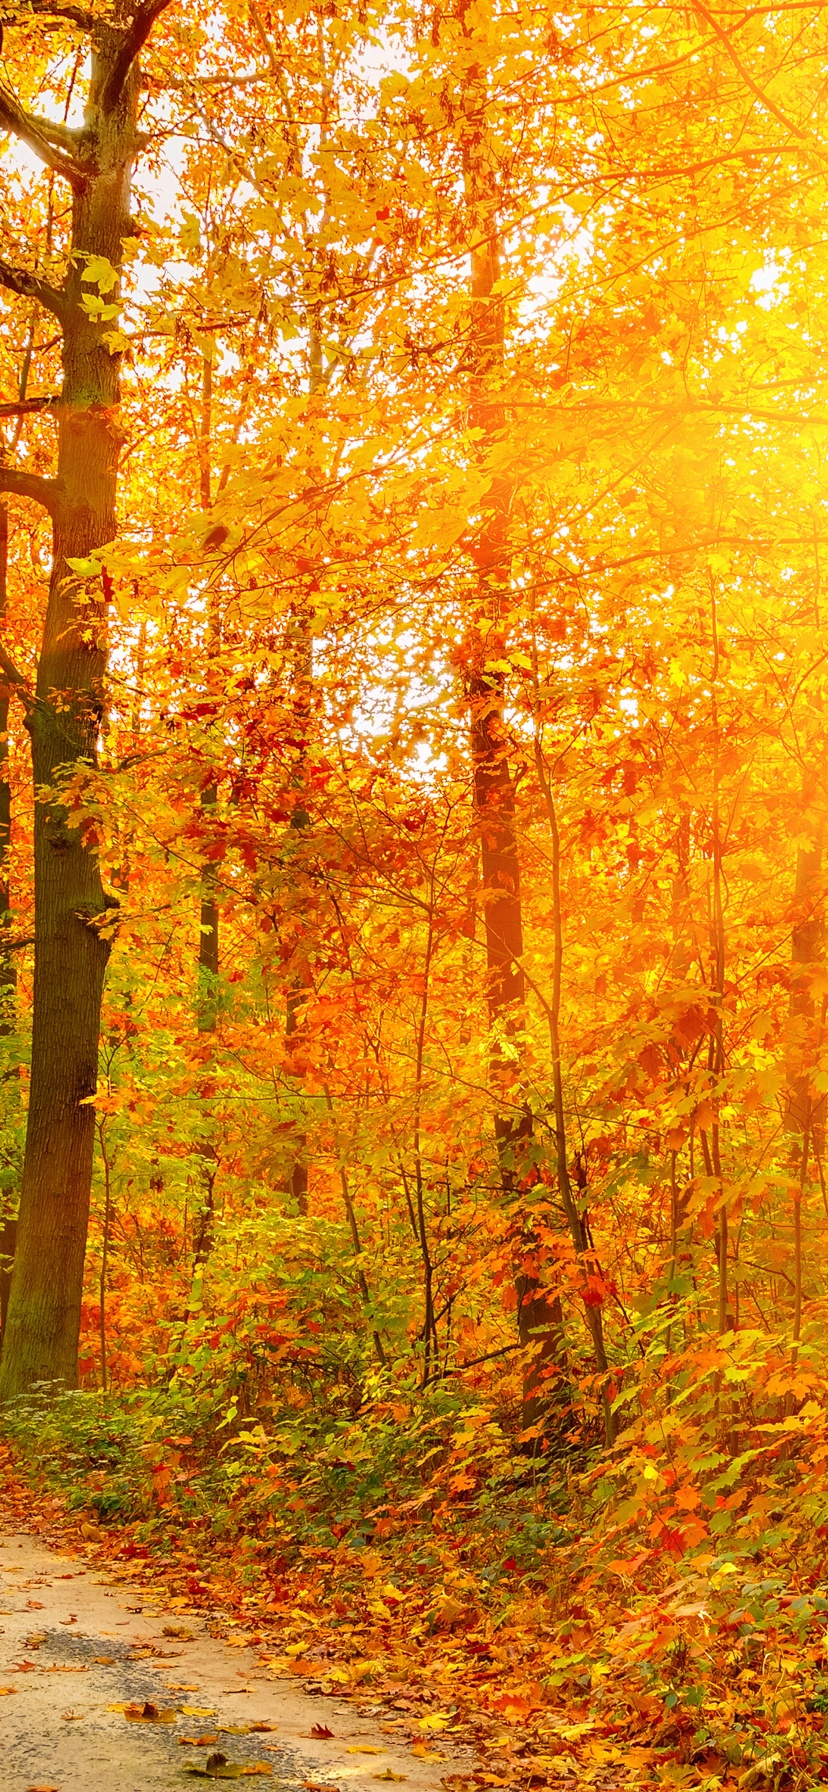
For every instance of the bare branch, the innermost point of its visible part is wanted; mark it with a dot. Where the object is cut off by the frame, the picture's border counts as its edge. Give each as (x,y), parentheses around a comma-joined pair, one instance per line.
(132,45)
(20,484)
(31,130)
(30,286)
(22,407)
(761,93)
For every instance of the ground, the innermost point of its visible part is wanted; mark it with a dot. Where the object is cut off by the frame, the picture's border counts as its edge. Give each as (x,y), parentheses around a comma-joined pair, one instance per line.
(105,1688)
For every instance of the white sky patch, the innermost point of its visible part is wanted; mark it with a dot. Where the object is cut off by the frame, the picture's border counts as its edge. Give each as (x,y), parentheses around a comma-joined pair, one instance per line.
(769,280)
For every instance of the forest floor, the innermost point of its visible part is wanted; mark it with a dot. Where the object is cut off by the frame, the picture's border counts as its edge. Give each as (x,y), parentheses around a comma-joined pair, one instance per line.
(108,1688)
(134,1654)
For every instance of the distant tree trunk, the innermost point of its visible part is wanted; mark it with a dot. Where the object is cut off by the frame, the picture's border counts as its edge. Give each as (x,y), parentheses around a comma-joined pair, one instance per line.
(40,1341)
(208,936)
(302,669)
(805,1119)
(8,975)
(539,1312)
(301,661)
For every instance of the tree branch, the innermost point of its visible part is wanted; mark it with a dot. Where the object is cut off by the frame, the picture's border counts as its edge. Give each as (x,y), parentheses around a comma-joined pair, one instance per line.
(132,45)
(63,135)
(21,407)
(760,93)
(15,677)
(30,286)
(31,130)
(73,15)
(20,484)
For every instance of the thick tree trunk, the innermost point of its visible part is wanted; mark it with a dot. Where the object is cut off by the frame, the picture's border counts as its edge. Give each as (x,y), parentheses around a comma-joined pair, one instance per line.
(41,1337)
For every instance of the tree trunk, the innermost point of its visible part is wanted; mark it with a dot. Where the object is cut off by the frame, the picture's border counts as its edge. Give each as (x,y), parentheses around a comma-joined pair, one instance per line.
(41,1337)
(539,1312)
(8,977)
(805,1118)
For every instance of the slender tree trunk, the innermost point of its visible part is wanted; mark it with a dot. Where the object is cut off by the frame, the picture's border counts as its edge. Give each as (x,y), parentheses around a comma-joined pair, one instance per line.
(716,1051)
(8,975)
(573,1206)
(301,658)
(539,1314)
(208,937)
(105,1237)
(41,1337)
(302,670)
(805,1120)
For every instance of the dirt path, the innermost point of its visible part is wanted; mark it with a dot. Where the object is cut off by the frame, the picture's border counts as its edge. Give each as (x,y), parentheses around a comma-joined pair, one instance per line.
(73,1648)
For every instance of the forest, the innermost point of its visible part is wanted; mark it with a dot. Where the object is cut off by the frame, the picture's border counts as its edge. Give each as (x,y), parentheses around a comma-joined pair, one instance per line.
(413,857)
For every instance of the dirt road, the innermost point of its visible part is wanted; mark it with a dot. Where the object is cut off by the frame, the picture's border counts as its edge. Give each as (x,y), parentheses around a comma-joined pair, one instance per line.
(102,1690)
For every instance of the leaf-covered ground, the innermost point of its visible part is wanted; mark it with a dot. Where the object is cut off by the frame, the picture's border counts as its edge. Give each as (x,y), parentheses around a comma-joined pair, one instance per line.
(569,1649)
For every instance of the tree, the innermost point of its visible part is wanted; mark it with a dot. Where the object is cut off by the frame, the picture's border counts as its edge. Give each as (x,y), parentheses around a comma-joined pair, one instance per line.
(63,707)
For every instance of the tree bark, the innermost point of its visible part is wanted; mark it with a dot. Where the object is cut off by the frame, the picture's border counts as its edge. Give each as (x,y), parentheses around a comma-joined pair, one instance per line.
(805,1118)
(8,975)
(539,1311)
(41,1337)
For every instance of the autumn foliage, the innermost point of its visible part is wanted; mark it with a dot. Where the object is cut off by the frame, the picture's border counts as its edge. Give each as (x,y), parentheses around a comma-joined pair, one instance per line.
(459,1212)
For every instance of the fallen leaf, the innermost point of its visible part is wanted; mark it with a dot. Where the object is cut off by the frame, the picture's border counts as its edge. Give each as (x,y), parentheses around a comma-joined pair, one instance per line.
(197,1710)
(104,1661)
(425,1754)
(388,1775)
(24,1667)
(766,1770)
(72,1619)
(321,1732)
(179,1632)
(217,1767)
(359,1748)
(198,1741)
(5,1690)
(71,1717)
(146,1713)
(229,1772)
(261,1728)
(449,1612)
